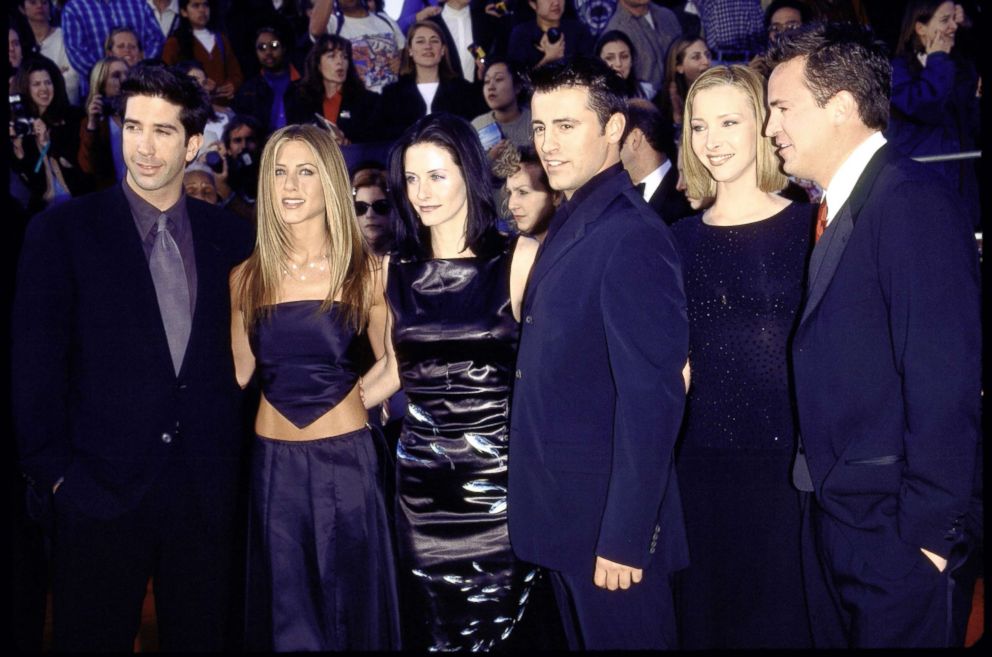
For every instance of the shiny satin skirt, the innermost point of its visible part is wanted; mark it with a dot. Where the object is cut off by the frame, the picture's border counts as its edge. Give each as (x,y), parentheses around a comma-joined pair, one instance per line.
(321,574)
(461,587)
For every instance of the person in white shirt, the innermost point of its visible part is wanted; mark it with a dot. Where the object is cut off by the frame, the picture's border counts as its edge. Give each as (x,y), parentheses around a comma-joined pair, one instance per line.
(50,43)
(376,40)
(167,14)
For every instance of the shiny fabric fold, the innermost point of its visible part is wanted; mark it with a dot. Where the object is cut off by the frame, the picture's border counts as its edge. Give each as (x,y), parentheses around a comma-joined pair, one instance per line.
(307,361)
(320,562)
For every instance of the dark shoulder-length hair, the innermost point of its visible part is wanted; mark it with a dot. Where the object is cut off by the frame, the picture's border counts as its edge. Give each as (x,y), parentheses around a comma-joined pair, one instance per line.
(58,109)
(312,83)
(184,31)
(460,140)
(631,84)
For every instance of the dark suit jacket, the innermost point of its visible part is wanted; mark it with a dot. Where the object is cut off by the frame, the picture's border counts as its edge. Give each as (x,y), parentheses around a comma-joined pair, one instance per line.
(94,389)
(255,98)
(487,31)
(887,364)
(358,108)
(599,393)
(401,103)
(670,204)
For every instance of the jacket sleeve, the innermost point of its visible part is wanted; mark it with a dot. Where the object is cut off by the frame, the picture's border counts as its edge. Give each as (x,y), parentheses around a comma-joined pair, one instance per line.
(232,68)
(924,97)
(647,338)
(929,271)
(41,359)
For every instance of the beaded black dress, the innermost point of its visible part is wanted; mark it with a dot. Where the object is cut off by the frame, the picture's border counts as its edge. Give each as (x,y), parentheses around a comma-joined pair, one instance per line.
(743,587)
(455,339)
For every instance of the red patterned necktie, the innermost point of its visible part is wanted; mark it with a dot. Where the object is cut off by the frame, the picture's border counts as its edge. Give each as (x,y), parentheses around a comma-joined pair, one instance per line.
(821,220)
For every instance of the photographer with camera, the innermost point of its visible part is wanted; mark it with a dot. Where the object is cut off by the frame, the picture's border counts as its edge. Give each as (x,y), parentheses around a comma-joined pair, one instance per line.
(234,163)
(100,151)
(549,36)
(45,135)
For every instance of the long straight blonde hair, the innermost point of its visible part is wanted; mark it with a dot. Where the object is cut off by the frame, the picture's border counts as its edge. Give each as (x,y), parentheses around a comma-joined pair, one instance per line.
(699,182)
(349,262)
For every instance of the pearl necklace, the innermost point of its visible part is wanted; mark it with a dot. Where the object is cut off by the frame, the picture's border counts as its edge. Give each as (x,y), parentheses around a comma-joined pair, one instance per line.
(311,267)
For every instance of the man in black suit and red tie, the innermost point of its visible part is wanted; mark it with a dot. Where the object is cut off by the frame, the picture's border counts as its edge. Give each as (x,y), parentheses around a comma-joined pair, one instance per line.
(126,407)
(886,357)
(648,154)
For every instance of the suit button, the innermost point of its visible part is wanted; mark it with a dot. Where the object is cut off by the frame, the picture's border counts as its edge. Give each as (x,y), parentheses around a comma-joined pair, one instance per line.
(182,386)
(520,374)
(529,319)
(167,438)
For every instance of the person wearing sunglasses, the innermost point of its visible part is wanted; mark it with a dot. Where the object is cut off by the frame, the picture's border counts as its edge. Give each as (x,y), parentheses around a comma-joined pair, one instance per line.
(264,95)
(373,209)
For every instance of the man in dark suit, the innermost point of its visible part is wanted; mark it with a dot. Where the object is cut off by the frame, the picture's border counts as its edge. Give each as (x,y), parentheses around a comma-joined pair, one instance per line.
(646,151)
(125,403)
(599,392)
(886,357)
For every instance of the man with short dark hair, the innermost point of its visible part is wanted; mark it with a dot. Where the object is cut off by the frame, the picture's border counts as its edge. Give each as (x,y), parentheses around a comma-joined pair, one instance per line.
(646,151)
(126,409)
(263,96)
(599,392)
(886,356)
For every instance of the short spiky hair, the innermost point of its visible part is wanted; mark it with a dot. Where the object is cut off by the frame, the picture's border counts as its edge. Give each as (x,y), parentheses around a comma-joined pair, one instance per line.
(841,57)
(168,83)
(606,91)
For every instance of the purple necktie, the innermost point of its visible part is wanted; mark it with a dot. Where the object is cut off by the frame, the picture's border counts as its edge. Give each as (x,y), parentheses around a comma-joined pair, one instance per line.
(172,290)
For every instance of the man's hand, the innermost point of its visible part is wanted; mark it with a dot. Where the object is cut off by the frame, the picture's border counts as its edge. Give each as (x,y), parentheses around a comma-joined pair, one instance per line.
(612,575)
(939,561)
(427,12)
(552,51)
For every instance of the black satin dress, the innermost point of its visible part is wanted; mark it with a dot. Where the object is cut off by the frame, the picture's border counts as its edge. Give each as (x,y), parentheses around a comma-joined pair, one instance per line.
(455,339)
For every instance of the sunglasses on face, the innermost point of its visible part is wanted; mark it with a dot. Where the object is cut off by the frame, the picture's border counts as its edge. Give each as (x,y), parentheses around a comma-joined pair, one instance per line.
(381,206)
(273,45)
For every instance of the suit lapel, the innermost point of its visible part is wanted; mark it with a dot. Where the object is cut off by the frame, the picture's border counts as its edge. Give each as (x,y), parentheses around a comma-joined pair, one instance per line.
(829,250)
(573,230)
(206,252)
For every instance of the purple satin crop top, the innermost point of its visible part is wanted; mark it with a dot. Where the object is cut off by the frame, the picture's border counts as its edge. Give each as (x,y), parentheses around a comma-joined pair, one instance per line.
(306,360)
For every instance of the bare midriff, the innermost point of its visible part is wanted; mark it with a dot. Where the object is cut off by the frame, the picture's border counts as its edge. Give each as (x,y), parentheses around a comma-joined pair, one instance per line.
(348,416)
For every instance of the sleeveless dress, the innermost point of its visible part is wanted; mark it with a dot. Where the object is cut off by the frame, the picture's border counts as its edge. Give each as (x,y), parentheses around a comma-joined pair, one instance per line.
(320,563)
(743,284)
(455,339)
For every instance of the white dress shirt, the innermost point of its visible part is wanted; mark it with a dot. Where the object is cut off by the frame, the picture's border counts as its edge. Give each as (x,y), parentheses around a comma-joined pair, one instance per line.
(653,180)
(168,17)
(459,23)
(846,177)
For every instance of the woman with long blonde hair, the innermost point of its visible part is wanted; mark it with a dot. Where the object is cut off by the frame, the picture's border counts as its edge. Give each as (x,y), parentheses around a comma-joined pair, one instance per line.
(744,260)
(320,573)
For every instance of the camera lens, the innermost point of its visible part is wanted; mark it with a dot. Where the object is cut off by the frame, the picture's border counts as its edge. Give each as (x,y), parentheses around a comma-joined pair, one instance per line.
(214,161)
(554,34)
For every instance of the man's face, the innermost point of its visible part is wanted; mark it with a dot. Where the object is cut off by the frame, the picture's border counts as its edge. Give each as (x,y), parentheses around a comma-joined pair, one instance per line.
(125,46)
(801,130)
(155,147)
(548,10)
(269,50)
(201,186)
(242,139)
(572,145)
(36,10)
(783,20)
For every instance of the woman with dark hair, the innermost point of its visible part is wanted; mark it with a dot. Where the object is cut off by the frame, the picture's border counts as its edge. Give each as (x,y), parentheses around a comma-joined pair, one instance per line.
(616,49)
(46,158)
(505,91)
(199,38)
(100,135)
(331,93)
(427,83)
(454,286)
(935,95)
(20,45)
(687,58)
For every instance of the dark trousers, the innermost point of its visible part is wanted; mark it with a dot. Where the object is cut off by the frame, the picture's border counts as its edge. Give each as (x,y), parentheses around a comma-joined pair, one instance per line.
(639,618)
(101,570)
(852,605)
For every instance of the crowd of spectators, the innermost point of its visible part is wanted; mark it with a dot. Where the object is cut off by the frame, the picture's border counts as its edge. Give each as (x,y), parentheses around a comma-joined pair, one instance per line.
(367,69)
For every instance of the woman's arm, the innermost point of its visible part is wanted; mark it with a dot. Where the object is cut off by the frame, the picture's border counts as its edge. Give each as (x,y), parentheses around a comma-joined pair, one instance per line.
(523,259)
(244,359)
(383,379)
(319,16)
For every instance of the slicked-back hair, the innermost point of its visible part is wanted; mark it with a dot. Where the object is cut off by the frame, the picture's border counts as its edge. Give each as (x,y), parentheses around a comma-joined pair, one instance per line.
(456,136)
(607,95)
(178,88)
(841,57)
(657,129)
(351,266)
(699,182)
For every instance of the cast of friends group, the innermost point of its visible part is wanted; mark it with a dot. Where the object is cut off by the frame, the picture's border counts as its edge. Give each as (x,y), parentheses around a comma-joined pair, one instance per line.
(757,428)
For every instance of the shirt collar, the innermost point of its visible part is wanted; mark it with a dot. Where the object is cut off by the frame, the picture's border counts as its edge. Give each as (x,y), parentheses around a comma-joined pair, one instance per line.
(173,7)
(847,175)
(652,181)
(146,215)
